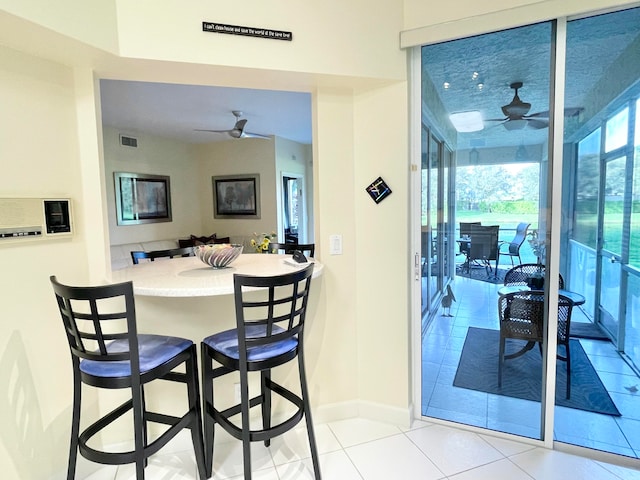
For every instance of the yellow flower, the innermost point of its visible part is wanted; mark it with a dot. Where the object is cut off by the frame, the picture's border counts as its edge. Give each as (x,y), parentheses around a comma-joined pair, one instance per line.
(262,241)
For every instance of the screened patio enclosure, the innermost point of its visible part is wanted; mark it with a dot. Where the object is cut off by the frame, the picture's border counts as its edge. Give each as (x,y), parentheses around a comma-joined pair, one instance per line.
(490,154)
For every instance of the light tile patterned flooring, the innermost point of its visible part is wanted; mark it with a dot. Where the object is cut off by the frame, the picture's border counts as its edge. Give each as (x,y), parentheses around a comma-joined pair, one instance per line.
(359,449)
(476,306)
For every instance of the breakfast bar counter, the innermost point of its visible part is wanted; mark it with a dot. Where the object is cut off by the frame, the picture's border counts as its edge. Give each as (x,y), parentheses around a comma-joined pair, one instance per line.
(184,297)
(190,277)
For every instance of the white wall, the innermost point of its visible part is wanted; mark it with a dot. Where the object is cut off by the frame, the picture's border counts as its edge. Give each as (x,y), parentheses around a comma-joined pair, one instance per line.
(231,157)
(38,158)
(159,156)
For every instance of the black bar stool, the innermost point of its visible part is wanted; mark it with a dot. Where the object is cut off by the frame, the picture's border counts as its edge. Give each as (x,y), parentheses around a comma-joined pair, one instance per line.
(107,352)
(269,333)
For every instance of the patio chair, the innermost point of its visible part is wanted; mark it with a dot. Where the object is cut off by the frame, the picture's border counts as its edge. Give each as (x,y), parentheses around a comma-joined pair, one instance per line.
(484,246)
(513,249)
(521,274)
(521,317)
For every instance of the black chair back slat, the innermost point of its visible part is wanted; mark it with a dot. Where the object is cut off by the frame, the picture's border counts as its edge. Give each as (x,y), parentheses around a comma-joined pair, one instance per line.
(85,322)
(136,256)
(308,249)
(293,289)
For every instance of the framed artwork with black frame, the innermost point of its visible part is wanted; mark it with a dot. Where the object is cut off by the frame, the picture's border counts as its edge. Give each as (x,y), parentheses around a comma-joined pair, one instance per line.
(142,198)
(236,196)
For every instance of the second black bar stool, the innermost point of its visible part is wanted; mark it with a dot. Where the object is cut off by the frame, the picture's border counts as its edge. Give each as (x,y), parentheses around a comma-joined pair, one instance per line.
(270,316)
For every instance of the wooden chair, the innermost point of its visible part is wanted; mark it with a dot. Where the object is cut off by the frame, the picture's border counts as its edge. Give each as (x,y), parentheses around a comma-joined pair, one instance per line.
(513,249)
(108,353)
(136,256)
(309,249)
(270,316)
(521,317)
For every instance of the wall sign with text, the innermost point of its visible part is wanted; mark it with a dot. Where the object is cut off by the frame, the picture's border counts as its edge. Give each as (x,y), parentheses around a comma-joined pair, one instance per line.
(246,31)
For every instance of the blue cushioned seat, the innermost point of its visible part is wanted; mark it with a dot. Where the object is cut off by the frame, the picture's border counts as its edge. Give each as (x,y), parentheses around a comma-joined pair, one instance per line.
(227,343)
(107,352)
(270,316)
(154,350)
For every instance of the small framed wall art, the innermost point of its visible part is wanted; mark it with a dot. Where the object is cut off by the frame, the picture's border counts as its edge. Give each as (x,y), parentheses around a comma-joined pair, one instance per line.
(236,196)
(378,190)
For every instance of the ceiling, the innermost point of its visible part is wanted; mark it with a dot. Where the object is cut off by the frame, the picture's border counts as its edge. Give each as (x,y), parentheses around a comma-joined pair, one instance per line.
(177,111)
(499,59)
(523,54)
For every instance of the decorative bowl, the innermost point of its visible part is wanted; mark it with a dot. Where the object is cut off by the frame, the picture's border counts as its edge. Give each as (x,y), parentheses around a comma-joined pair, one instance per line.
(218,255)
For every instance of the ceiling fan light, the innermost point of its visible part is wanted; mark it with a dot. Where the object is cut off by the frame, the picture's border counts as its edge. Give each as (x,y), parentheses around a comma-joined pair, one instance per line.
(516,124)
(466,122)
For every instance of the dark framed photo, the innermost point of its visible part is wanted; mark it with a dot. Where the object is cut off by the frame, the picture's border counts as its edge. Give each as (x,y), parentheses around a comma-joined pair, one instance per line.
(142,198)
(236,196)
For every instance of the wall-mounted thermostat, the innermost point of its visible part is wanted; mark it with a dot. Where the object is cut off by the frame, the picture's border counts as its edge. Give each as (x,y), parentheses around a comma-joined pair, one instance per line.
(22,219)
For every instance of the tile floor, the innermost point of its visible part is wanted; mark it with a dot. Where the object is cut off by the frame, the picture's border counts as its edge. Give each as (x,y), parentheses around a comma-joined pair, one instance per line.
(359,449)
(476,306)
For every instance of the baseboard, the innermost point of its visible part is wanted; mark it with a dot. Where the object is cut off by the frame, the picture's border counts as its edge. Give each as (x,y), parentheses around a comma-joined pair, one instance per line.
(402,417)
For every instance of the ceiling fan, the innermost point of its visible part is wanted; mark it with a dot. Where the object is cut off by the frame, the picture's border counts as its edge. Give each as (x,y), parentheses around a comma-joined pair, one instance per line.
(516,113)
(238,130)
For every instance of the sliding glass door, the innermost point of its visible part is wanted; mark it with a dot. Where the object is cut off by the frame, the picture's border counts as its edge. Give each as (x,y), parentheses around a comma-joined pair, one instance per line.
(485,118)
(489,101)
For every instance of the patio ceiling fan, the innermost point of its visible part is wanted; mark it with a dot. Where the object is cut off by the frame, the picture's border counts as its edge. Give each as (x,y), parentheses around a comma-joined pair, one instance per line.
(517,114)
(238,130)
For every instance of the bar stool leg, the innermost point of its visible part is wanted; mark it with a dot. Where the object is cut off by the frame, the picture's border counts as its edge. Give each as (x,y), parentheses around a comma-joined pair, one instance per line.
(207,398)
(194,404)
(265,377)
(307,415)
(246,425)
(75,425)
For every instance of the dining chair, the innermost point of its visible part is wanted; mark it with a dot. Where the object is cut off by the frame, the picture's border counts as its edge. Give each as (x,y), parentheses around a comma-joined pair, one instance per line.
(484,247)
(521,316)
(108,353)
(270,321)
(136,256)
(308,249)
(513,249)
(465,233)
(522,274)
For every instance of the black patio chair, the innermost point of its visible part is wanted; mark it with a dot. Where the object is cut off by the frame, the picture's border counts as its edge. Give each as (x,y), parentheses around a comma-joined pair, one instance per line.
(514,245)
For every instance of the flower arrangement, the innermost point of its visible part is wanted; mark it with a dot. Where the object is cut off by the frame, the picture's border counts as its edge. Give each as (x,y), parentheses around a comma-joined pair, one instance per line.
(262,241)
(537,245)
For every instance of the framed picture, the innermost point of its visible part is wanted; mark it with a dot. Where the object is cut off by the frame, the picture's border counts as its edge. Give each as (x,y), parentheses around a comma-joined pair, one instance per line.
(236,196)
(142,198)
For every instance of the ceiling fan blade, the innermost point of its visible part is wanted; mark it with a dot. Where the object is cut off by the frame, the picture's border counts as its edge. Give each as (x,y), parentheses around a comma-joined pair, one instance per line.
(568,112)
(238,129)
(497,119)
(544,114)
(537,124)
(254,135)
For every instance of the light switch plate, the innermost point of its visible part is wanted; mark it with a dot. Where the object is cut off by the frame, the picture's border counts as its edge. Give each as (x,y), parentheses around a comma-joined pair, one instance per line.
(335,244)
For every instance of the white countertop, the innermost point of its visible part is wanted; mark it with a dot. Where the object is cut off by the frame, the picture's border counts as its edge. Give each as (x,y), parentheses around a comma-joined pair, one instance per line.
(190,277)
